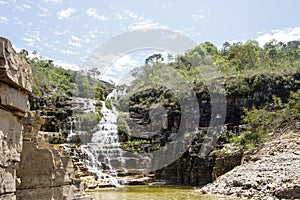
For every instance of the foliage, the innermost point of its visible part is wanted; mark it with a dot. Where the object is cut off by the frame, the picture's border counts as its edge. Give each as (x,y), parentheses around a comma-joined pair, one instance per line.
(88,121)
(273,118)
(108,104)
(246,70)
(54,79)
(294,104)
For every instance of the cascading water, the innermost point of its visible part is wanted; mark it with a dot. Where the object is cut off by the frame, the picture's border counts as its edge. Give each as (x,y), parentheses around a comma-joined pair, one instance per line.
(103,155)
(72,134)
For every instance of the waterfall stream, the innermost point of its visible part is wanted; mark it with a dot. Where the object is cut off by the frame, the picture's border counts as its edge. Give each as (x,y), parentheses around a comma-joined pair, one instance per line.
(101,152)
(104,155)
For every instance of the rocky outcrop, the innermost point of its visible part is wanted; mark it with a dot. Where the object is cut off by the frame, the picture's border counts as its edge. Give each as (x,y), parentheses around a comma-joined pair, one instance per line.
(59,114)
(15,77)
(47,172)
(29,169)
(273,172)
(14,70)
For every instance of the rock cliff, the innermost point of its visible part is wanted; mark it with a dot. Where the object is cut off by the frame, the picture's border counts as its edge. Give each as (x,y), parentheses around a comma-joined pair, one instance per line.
(29,167)
(15,77)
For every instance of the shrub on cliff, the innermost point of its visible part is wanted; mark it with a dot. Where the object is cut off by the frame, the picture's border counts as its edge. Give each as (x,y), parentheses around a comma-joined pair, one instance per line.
(269,120)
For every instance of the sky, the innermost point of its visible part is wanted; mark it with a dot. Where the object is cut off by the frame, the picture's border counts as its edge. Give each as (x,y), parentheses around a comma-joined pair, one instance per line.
(67,31)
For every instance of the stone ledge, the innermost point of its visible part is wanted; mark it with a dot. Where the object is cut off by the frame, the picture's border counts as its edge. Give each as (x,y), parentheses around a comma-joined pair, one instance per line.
(13,99)
(14,70)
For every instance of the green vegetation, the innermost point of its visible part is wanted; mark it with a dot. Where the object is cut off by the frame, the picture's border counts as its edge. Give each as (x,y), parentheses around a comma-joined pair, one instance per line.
(50,78)
(235,63)
(272,119)
(246,70)
(88,121)
(135,146)
(108,104)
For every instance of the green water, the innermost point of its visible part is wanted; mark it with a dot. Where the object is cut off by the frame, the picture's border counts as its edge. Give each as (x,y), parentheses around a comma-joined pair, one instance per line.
(150,193)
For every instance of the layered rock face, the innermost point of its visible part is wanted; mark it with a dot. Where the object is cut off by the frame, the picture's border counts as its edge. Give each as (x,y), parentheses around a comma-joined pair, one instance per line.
(29,168)
(45,171)
(15,77)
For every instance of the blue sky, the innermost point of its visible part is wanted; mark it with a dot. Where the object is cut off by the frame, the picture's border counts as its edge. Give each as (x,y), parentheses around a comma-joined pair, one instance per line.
(67,31)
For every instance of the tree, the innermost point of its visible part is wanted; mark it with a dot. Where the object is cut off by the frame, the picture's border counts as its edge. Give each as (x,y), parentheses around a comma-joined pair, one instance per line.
(292,51)
(272,51)
(225,48)
(155,58)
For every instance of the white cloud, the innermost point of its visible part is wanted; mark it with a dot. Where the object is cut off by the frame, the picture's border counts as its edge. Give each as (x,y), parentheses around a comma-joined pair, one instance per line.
(66,14)
(67,52)
(66,65)
(73,37)
(26,6)
(4,20)
(163,4)
(18,21)
(93,13)
(17,49)
(280,35)
(198,16)
(32,38)
(133,15)
(134,20)
(145,24)
(60,33)
(30,41)
(75,41)
(45,12)
(124,63)
(3,2)
(122,14)
(54,1)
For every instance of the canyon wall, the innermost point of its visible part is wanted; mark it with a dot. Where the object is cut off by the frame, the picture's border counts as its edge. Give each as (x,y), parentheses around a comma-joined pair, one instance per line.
(15,85)
(30,167)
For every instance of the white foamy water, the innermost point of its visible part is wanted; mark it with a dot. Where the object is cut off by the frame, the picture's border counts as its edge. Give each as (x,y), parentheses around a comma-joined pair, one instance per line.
(103,154)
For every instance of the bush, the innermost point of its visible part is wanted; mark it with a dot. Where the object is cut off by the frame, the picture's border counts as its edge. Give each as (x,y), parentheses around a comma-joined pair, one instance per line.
(108,104)
(88,121)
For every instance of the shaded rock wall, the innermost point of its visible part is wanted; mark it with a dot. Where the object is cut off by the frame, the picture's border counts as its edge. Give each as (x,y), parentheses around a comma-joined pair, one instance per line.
(15,77)
(190,169)
(195,170)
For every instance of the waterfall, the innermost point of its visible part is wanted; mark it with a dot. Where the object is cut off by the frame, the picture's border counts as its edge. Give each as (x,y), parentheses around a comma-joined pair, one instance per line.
(103,155)
(72,134)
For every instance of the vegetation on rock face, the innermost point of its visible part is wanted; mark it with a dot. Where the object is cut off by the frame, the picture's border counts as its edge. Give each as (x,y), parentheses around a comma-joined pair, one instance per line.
(248,72)
(275,117)
(50,78)
(52,88)
(88,121)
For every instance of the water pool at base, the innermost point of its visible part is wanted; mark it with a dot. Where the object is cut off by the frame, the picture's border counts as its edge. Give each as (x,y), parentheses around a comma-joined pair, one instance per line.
(151,193)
